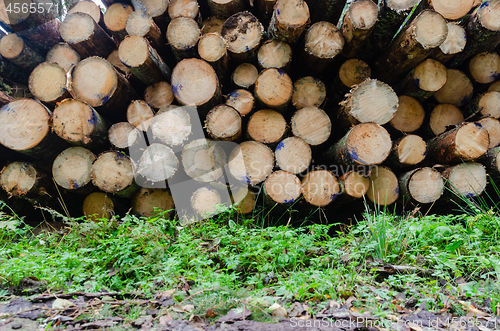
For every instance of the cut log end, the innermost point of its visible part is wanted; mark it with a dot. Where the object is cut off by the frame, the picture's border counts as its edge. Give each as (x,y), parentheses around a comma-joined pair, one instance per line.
(452,10)
(172,127)
(204,160)
(409,116)
(98,205)
(411,150)
(293,155)
(155,8)
(158,163)
(455,40)
(274,88)
(495,86)
(241,100)
(355,184)
(122,135)
(373,101)
(133,51)
(242,32)
(489,104)
(194,82)
(244,200)
(159,95)
(492,125)
(457,91)
(425,185)
(320,188)
(212,47)
(308,92)
(431,29)
(63,55)
(267,126)
(384,187)
(282,187)
(430,75)
(401,5)
(18,178)
(311,124)
(467,179)
(251,162)
(11,46)
(294,14)
(368,144)
(472,141)
(116,16)
(147,200)
(323,40)
(274,54)
(77,27)
(74,121)
(204,201)
(183,8)
(245,75)
(139,114)
(485,67)
(48,82)
(353,72)
(112,172)
(443,116)
(88,7)
(94,81)
(14,118)
(363,14)
(73,167)
(489,15)
(183,33)
(138,23)
(223,123)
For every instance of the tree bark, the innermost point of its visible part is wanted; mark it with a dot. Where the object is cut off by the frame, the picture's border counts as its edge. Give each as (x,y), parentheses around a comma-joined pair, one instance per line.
(357,25)
(483,32)
(412,45)
(43,37)
(223,9)
(15,49)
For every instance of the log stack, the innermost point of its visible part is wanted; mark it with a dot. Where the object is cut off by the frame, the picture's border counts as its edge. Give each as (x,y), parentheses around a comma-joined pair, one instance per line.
(281,104)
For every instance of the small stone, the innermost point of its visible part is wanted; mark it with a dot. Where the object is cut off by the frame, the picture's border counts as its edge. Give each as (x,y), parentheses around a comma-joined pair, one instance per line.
(16,325)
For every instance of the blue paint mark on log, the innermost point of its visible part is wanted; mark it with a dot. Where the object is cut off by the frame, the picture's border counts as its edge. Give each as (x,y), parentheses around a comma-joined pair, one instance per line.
(351,152)
(93,119)
(280,146)
(484,4)
(288,201)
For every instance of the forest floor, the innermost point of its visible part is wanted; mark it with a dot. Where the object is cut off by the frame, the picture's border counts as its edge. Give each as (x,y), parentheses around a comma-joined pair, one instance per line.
(383,272)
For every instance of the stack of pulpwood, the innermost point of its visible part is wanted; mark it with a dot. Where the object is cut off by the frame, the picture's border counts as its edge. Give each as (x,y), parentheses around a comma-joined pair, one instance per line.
(307,103)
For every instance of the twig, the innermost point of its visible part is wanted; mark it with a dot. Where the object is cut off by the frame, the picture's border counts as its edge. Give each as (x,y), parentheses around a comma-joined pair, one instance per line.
(199,292)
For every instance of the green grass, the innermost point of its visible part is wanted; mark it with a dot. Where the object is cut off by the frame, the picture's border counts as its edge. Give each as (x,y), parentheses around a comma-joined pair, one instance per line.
(236,261)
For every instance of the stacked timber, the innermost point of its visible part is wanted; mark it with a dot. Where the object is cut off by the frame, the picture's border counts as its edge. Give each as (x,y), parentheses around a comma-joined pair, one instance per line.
(273,103)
